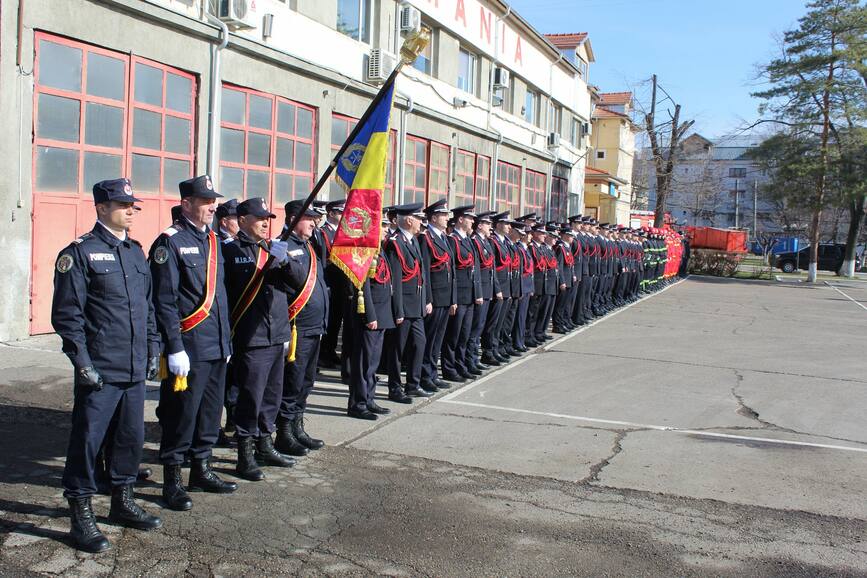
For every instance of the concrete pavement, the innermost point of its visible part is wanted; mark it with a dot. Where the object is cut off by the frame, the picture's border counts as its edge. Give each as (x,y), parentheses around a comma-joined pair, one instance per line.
(713,429)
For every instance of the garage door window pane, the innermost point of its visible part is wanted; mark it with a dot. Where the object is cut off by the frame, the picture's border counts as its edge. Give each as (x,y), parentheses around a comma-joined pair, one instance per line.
(99,167)
(59,66)
(303,157)
(305,123)
(285,153)
(174,172)
(339,130)
(104,125)
(105,76)
(146,173)
(179,92)
(282,188)
(233,106)
(147,129)
(231,145)
(59,118)
(56,170)
(286,118)
(302,187)
(177,135)
(148,84)
(259,151)
(260,112)
(257,184)
(232,182)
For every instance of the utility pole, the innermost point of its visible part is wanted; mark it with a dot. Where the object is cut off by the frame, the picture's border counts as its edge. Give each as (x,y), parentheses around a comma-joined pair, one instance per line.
(737,202)
(755,210)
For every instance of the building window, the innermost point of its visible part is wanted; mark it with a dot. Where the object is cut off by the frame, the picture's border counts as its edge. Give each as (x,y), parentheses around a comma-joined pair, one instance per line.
(424,62)
(508,94)
(341,126)
(465,178)
(483,179)
(531,107)
(737,173)
(266,146)
(575,132)
(556,120)
(582,67)
(559,199)
(534,192)
(89,127)
(468,64)
(353,19)
(438,182)
(600,155)
(415,170)
(508,187)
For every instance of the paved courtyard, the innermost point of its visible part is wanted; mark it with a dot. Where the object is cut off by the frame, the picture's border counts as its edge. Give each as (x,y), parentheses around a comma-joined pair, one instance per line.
(716,428)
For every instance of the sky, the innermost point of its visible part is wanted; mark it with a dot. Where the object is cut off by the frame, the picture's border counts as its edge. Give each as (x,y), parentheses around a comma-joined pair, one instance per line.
(704,52)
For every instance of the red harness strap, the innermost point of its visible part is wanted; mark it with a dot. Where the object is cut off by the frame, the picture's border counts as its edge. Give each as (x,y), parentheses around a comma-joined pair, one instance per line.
(486,262)
(528,263)
(383,272)
(439,261)
(463,262)
(408,274)
(504,261)
(541,263)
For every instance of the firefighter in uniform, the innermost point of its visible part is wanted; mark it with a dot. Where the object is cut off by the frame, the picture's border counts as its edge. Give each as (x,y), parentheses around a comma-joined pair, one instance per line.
(566,274)
(193,319)
(503,270)
(256,290)
(100,282)
(468,293)
(484,254)
(338,287)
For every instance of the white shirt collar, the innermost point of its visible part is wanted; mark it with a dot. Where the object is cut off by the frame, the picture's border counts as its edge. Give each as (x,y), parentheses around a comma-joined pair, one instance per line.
(112,232)
(406,235)
(203,228)
(435,230)
(461,234)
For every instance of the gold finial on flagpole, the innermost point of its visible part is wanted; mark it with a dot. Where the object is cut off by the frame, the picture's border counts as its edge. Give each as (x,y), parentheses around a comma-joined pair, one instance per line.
(414,45)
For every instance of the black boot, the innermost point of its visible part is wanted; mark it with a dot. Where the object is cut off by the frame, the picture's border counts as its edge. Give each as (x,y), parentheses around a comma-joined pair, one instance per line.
(203,478)
(247,467)
(286,441)
(84,531)
(174,494)
(126,512)
(267,455)
(301,435)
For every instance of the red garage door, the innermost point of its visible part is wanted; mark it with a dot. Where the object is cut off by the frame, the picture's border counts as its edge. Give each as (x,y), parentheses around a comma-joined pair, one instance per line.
(97,115)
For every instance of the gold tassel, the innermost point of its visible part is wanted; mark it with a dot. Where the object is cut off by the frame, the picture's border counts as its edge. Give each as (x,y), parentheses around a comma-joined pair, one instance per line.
(360,308)
(290,356)
(180,383)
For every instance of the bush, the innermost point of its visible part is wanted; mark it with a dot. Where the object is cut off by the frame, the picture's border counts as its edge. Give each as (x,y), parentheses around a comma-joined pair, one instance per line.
(712,262)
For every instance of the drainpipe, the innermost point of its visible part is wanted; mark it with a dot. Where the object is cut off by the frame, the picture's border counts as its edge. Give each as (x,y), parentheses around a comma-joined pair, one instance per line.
(401,155)
(492,181)
(214,99)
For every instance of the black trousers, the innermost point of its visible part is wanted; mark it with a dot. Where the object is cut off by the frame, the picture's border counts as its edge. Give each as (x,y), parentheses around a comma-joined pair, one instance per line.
(190,420)
(364,358)
(543,317)
(92,415)
(409,345)
(336,312)
(533,314)
(298,377)
(561,302)
(455,344)
(491,333)
(519,329)
(506,326)
(435,332)
(480,319)
(230,398)
(259,373)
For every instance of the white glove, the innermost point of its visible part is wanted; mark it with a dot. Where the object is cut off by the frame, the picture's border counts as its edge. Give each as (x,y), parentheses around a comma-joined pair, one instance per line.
(179,363)
(286,348)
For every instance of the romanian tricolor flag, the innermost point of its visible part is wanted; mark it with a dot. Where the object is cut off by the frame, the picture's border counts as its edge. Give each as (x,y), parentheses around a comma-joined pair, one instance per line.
(362,169)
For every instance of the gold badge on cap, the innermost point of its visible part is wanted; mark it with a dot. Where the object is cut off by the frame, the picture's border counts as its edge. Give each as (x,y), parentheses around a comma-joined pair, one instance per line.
(64,264)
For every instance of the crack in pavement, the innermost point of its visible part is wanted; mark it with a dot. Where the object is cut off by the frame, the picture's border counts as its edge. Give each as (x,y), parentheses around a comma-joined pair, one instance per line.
(616,448)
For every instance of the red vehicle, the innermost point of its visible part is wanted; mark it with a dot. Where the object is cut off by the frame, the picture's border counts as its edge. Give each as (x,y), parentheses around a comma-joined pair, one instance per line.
(728,240)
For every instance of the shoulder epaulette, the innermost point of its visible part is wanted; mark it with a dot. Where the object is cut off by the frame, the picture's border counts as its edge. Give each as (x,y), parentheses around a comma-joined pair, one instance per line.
(170,231)
(83,238)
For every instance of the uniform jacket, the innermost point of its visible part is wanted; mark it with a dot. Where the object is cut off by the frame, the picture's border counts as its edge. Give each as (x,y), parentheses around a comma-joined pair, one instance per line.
(413,275)
(527,272)
(515,270)
(502,264)
(314,316)
(468,281)
(102,307)
(382,293)
(178,262)
(552,273)
(540,267)
(266,321)
(565,263)
(486,262)
(438,257)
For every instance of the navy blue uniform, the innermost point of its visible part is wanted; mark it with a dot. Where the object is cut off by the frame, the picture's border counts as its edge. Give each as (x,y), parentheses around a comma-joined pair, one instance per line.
(103,312)
(468,288)
(258,337)
(491,339)
(190,420)
(438,260)
(489,286)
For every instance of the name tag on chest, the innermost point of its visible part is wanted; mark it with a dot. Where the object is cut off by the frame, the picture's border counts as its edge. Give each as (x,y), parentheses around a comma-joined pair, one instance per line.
(188,250)
(244,260)
(99,257)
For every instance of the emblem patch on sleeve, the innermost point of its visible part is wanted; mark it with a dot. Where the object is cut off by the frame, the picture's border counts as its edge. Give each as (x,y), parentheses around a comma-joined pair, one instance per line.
(64,264)
(161,255)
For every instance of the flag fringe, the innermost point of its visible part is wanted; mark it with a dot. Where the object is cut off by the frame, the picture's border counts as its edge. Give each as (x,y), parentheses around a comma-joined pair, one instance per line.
(368,253)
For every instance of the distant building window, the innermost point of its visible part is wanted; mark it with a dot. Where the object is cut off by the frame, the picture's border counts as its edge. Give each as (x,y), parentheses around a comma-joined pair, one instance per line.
(468,64)
(600,155)
(531,105)
(534,192)
(424,62)
(353,19)
(575,132)
(555,119)
(737,173)
(582,67)
(508,186)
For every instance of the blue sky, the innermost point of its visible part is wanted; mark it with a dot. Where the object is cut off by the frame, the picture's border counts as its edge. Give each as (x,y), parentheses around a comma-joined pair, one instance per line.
(704,52)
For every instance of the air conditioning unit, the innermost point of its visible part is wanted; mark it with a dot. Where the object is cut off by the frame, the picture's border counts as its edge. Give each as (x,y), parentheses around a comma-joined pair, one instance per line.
(501,77)
(410,18)
(237,14)
(553,140)
(380,64)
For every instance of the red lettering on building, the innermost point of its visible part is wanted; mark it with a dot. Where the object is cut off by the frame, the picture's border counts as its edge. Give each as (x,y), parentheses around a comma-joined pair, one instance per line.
(519,58)
(484,24)
(461,13)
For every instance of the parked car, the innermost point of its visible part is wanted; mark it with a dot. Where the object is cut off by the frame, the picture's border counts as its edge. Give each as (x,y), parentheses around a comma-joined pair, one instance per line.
(830,258)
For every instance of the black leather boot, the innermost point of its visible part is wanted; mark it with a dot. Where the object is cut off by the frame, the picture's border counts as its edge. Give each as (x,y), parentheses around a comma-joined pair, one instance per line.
(267,455)
(247,468)
(286,441)
(126,512)
(174,494)
(84,531)
(301,435)
(203,479)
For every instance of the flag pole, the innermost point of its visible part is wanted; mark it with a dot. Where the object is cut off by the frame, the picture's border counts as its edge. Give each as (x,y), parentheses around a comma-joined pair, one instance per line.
(412,47)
